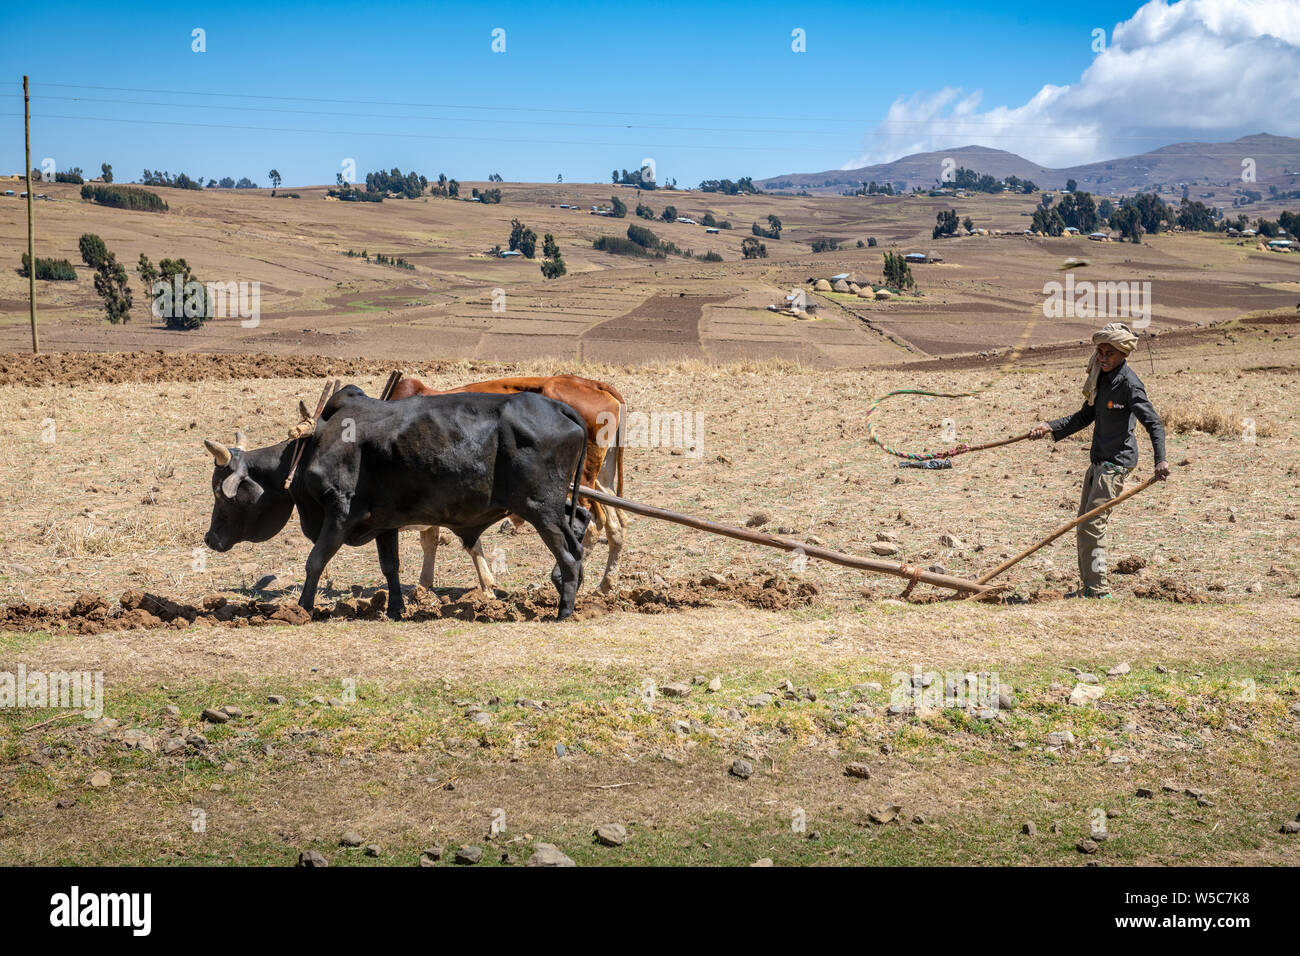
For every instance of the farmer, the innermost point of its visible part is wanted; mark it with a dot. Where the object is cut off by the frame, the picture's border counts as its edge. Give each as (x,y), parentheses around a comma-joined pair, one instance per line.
(1113,398)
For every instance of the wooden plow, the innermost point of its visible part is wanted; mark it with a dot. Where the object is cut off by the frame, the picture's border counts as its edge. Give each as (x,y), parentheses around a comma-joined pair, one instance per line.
(979,589)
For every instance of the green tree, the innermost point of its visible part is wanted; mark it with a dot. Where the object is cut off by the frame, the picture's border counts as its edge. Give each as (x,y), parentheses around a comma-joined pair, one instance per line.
(945,224)
(106,170)
(1129,222)
(193,309)
(274,176)
(1071,186)
(111,281)
(619,207)
(93,250)
(669,214)
(898,274)
(552,262)
(751,248)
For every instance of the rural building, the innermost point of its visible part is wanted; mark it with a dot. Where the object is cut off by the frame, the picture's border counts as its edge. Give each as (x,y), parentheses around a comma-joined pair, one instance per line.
(1099,236)
(711,229)
(916,257)
(508,253)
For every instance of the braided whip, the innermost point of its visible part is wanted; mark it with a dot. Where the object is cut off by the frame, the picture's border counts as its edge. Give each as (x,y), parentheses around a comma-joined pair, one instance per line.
(953,452)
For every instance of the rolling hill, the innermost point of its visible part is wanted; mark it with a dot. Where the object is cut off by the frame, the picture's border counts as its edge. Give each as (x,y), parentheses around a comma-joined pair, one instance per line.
(1277,158)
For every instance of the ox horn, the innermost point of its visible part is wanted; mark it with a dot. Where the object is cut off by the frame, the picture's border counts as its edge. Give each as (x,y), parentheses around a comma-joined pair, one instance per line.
(240,441)
(219,451)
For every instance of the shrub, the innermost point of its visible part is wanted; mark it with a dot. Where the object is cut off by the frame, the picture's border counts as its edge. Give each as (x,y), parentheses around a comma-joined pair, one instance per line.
(643,237)
(55,270)
(619,246)
(644,211)
(751,248)
(711,257)
(124,197)
(619,207)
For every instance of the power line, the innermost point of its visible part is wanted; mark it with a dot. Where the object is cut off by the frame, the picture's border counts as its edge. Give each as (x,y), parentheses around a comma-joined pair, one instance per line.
(459,138)
(884,126)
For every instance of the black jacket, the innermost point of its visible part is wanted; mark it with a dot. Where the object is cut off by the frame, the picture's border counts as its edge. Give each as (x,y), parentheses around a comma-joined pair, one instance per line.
(1120,400)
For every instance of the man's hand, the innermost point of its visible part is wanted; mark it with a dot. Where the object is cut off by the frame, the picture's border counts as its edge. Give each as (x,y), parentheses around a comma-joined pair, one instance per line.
(1162,470)
(1042,430)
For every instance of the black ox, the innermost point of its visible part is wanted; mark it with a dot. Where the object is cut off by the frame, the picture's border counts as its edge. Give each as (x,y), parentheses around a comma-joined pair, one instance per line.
(463,461)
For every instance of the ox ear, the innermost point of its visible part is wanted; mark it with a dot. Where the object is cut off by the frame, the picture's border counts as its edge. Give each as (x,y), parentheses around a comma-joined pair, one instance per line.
(240,441)
(230,487)
(220,453)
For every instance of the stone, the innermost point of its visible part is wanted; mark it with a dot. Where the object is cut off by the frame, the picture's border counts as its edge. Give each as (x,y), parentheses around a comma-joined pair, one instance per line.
(548,854)
(676,690)
(884,547)
(1085,695)
(759,700)
(469,855)
(171,710)
(234,713)
(311,858)
(197,741)
(1290,826)
(742,769)
(350,838)
(1060,738)
(951,541)
(713,579)
(1087,846)
(1029,829)
(611,834)
(1119,670)
(100,778)
(275,699)
(214,716)
(714,685)
(764,862)
(434,853)
(885,814)
(859,770)
(173,745)
(481,718)
(373,850)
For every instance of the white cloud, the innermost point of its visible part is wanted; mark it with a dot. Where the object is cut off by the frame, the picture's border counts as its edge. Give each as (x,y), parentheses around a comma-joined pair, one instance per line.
(1193,69)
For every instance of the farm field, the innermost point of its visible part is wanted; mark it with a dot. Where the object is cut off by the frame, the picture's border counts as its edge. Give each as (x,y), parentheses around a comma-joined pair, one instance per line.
(459,302)
(352,723)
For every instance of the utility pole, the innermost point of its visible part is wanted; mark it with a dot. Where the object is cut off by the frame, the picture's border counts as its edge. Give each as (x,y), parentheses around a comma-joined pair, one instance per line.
(31,236)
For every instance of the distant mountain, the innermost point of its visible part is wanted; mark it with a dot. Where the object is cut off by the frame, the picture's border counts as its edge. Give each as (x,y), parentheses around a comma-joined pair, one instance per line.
(1192,163)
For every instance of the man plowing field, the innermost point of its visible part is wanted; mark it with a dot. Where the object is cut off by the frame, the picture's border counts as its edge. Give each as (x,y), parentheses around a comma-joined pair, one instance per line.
(1114,399)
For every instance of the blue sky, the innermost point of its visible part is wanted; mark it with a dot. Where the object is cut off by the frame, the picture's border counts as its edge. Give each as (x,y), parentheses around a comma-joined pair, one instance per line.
(581,89)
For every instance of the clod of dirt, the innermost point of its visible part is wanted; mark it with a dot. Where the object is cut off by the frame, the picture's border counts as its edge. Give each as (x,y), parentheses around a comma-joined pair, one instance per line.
(1168,589)
(1130,565)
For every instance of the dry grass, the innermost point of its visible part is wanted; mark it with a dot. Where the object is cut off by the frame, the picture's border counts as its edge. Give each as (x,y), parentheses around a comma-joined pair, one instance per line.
(1182,417)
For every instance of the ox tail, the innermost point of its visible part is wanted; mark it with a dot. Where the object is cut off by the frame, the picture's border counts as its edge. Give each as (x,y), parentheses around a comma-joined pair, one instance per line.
(622,441)
(582,461)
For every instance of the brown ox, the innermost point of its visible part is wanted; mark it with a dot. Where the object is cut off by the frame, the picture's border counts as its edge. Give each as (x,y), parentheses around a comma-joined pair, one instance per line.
(602,408)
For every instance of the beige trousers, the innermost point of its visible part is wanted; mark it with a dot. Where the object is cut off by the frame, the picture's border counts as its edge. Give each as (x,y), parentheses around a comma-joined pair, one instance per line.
(1101,483)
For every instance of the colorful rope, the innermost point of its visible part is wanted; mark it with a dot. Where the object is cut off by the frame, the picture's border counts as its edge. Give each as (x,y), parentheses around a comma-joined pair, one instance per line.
(911,456)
